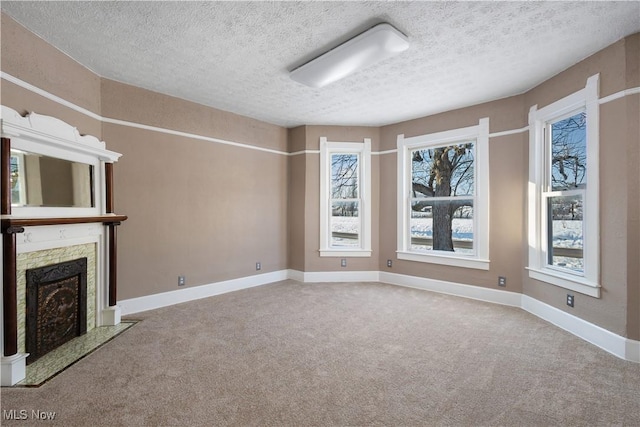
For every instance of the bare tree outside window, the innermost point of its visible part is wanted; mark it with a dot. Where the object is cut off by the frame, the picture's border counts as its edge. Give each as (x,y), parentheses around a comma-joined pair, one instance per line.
(569,152)
(568,183)
(443,186)
(345,203)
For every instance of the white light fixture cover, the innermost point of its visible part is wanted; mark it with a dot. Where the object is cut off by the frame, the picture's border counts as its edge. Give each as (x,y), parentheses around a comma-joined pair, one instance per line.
(374,45)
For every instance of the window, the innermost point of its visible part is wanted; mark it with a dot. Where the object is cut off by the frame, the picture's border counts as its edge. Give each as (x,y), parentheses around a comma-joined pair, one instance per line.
(443,188)
(17,178)
(563,191)
(345,194)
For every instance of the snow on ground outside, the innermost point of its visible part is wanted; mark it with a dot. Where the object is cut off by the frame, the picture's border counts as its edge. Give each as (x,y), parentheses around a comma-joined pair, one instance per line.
(567,234)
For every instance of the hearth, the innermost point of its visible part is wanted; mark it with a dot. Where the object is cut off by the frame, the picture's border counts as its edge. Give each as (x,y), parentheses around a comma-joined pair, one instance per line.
(56,306)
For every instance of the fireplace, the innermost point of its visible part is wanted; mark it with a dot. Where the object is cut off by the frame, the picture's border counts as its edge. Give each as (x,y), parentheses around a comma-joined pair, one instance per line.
(56,306)
(37,234)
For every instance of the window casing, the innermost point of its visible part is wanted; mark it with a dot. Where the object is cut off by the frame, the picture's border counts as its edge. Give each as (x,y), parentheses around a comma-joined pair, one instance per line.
(443,197)
(564,192)
(345,198)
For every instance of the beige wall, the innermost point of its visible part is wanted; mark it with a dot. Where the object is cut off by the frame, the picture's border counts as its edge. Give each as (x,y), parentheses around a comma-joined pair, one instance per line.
(210,211)
(202,209)
(632,45)
(129,103)
(504,114)
(197,208)
(296,202)
(30,59)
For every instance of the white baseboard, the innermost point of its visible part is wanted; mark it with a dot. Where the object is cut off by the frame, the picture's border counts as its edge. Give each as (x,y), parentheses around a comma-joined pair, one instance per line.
(334,276)
(150,302)
(633,350)
(496,296)
(615,344)
(295,275)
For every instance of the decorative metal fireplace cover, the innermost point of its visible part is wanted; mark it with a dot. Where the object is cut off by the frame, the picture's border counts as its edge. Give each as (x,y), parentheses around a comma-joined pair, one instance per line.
(56,306)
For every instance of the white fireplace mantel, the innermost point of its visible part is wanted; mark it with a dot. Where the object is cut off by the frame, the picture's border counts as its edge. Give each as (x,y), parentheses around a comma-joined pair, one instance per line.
(29,229)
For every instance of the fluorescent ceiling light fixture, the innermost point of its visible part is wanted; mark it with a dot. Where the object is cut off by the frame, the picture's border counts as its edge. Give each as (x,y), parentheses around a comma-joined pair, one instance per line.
(374,45)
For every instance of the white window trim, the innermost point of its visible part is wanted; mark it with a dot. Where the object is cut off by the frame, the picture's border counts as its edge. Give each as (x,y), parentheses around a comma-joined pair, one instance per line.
(588,283)
(328,148)
(479,133)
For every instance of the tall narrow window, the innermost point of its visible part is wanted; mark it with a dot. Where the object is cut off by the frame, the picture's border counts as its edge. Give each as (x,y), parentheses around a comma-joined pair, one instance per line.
(443,197)
(563,192)
(345,189)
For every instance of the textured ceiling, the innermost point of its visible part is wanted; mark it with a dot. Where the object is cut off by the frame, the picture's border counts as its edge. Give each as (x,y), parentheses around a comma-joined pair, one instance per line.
(236,56)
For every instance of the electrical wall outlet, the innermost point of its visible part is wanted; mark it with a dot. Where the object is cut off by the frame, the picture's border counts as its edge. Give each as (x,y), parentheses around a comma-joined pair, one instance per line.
(258,266)
(389,263)
(570,300)
(502,281)
(343,262)
(181,280)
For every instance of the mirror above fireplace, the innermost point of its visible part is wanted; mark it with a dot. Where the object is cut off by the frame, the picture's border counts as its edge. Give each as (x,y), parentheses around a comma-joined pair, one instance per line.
(38,180)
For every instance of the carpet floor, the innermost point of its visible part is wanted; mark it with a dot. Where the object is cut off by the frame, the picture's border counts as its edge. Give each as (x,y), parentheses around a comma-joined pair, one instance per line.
(336,354)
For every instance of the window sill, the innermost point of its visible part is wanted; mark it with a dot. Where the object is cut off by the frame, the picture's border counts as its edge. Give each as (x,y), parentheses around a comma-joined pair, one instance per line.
(344,253)
(455,261)
(567,281)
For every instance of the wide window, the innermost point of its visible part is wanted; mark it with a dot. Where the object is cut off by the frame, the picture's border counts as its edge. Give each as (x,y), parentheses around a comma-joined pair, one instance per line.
(345,217)
(443,197)
(563,197)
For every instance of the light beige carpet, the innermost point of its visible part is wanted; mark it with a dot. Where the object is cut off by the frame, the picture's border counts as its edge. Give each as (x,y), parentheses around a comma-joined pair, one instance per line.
(338,354)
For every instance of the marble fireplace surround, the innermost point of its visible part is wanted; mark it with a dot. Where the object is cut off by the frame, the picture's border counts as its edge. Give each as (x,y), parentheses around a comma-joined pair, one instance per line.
(36,236)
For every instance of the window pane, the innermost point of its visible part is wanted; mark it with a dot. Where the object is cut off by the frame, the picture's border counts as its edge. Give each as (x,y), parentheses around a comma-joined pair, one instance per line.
(442,225)
(345,224)
(16,170)
(566,232)
(344,176)
(569,153)
(443,171)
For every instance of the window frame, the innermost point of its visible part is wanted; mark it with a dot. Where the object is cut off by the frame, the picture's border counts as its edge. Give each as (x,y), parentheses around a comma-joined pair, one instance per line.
(540,120)
(363,150)
(480,135)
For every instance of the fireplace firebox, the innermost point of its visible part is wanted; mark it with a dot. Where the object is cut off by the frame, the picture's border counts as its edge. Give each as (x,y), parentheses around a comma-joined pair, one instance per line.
(56,306)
